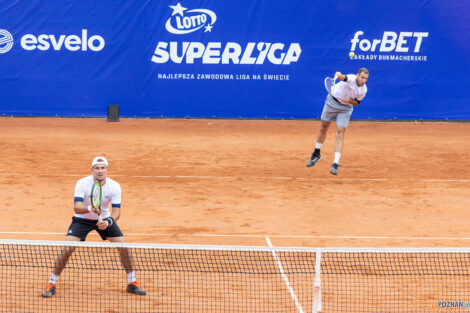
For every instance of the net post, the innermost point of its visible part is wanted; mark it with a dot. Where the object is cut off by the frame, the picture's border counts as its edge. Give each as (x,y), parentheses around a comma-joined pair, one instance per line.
(316,308)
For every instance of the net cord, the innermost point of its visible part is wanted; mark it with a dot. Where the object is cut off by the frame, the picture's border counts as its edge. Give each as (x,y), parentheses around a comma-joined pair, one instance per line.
(227,248)
(151,246)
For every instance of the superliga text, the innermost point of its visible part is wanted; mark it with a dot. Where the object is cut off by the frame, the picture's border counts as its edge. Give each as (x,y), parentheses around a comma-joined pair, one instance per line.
(231,52)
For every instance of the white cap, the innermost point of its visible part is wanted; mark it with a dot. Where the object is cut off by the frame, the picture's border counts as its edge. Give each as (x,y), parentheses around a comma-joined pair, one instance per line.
(99,160)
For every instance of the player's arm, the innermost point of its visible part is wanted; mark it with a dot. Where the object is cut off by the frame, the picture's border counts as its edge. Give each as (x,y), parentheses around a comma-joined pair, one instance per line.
(116,203)
(354,101)
(351,101)
(78,206)
(340,76)
(115,210)
(112,218)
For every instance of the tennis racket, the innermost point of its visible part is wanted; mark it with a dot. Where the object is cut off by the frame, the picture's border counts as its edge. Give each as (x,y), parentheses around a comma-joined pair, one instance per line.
(96,197)
(330,85)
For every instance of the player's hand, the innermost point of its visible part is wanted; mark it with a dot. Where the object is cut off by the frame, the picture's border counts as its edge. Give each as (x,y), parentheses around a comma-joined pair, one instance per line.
(337,74)
(102,225)
(350,101)
(97,211)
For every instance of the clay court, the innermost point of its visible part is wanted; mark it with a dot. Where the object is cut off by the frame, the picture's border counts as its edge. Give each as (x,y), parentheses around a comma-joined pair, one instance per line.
(234,182)
(242,182)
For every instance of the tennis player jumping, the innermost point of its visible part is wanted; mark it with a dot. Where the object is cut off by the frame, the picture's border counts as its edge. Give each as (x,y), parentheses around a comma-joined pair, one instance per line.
(86,219)
(348,93)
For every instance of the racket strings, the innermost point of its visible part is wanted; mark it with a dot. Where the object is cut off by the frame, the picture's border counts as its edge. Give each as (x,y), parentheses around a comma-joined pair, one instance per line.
(330,84)
(96,196)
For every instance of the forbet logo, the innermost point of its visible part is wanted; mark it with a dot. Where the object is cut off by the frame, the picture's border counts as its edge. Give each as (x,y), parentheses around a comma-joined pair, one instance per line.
(390,42)
(6,41)
(184,21)
(392,46)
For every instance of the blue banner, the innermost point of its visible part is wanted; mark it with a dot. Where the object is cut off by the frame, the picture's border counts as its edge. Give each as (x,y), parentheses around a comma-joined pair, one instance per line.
(230,59)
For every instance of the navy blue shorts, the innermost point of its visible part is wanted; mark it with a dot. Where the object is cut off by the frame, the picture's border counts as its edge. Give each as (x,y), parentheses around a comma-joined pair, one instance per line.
(80,228)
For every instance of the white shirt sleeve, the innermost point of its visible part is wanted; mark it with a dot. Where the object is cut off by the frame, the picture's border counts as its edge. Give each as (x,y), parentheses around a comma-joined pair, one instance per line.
(79,189)
(351,79)
(116,195)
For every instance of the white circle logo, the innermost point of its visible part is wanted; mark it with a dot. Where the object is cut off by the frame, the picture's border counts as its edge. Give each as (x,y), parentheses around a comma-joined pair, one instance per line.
(6,41)
(184,21)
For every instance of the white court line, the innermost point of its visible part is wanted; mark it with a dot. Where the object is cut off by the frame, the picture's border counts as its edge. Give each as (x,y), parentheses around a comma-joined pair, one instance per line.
(284,276)
(251,177)
(258,236)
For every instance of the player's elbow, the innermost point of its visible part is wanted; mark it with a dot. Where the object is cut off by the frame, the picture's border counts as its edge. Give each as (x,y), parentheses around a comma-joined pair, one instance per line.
(78,207)
(116,213)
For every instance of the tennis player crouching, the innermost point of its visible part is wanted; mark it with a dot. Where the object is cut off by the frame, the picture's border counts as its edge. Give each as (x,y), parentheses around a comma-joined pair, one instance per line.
(348,92)
(85,220)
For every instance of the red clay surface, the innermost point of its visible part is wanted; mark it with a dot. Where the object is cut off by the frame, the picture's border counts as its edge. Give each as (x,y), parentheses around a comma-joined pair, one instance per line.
(184,179)
(234,182)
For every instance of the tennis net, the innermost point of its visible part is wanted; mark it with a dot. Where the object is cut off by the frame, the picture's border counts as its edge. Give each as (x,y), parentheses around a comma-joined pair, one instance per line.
(188,278)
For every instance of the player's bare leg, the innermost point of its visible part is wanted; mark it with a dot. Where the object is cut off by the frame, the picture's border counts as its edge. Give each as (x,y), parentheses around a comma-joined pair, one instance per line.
(128,265)
(126,258)
(316,156)
(323,131)
(63,257)
(340,131)
(59,265)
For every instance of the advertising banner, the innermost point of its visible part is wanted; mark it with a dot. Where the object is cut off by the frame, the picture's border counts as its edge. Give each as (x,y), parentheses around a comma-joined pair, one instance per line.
(231,59)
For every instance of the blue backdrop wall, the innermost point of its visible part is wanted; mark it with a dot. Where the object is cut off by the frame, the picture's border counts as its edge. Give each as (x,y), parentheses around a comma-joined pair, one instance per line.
(244,58)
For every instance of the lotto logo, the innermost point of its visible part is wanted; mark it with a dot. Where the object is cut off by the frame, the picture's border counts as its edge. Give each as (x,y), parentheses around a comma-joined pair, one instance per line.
(184,21)
(6,41)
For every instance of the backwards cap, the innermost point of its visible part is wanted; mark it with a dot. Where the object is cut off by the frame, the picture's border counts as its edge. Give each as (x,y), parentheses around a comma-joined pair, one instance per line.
(99,160)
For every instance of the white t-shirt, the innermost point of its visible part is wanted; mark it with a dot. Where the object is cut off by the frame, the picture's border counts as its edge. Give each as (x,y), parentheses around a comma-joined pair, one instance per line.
(349,89)
(110,194)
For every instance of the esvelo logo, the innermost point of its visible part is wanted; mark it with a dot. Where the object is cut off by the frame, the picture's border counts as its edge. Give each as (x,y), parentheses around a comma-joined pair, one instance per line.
(6,41)
(70,42)
(184,21)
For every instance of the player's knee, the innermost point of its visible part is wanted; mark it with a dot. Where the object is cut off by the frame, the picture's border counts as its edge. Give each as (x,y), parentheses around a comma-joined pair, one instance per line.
(119,239)
(324,125)
(340,130)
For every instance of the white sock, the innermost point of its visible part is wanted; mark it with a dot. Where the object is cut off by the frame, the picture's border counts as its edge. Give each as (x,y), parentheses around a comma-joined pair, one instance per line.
(337,156)
(131,277)
(318,145)
(53,278)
